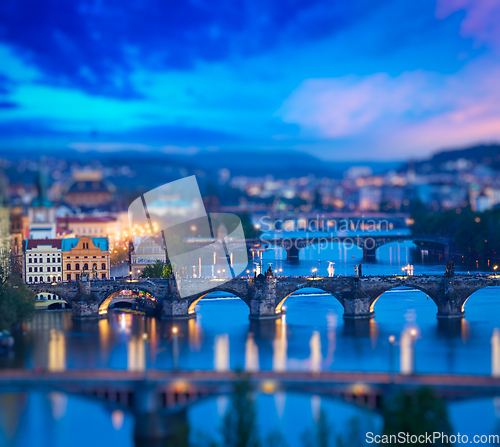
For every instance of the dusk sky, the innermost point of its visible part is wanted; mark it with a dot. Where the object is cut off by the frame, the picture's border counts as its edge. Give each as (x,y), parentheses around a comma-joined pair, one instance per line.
(341,80)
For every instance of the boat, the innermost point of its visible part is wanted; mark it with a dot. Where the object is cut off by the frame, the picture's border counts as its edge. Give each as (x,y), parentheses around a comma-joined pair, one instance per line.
(6,341)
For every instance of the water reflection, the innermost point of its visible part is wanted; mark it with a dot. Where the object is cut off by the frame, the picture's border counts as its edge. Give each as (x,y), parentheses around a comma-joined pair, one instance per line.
(251,354)
(495,353)
(56,351)
(280,345)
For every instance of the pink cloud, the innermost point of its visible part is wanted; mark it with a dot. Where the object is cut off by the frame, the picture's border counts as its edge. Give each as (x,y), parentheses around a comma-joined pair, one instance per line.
(480,21)
(416,111)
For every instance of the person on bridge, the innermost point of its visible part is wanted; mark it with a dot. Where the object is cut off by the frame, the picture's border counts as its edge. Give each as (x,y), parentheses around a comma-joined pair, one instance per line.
(359,270)
(355,270)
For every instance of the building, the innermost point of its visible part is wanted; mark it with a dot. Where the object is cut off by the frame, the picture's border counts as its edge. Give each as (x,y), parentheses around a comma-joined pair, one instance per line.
(146,253)
(92,226)
(42,212)
(43,262)
(88,189)
(19,232)
(85,255)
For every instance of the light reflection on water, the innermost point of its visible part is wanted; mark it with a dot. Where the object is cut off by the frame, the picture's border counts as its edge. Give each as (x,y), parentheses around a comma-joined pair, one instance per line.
(311,336)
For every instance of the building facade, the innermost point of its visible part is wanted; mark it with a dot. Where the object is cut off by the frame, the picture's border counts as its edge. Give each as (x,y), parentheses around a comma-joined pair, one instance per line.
(147,252)
(85,255)
(43,261)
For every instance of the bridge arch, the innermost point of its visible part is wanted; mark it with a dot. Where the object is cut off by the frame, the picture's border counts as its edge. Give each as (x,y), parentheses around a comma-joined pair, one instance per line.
(406,285)
(194,300)
(105,303)
(316,285)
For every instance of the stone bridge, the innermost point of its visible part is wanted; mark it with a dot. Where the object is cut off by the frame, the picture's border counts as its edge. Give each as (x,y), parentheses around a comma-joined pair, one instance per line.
(265,297)
(368,243)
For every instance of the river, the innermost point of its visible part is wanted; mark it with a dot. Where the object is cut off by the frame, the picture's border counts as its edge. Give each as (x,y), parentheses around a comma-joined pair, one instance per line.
(312,336)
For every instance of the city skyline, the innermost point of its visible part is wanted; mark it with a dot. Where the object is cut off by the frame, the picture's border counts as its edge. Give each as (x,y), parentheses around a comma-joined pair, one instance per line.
(367,80)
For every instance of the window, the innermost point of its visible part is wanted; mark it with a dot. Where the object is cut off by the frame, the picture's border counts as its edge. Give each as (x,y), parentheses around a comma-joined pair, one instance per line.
(85,266)
(58,269)
(54,260)
(103,266)
(29,260)
(30,279)
(94,266)
(68,276)
(77,266)
(30,269)
(36,269)
(48,260)
(77,277)
(35,260)
(41,269)
(53,269)
(59,278)
(68,266)
(103,276)
(35,279)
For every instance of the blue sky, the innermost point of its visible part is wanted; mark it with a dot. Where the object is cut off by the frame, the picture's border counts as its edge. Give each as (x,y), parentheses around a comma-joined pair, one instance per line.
(341,80)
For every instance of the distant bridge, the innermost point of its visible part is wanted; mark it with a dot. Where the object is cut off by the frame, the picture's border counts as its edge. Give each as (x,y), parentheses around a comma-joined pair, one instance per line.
(265,297)
(159,399)
(368,243)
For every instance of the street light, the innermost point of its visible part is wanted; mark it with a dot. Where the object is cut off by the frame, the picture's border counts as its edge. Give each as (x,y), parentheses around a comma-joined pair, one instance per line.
(495,268)
(314,270)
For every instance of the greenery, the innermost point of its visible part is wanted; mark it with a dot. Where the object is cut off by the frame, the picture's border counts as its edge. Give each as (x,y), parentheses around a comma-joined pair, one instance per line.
(240,422)
(249,229)
(157,270)
(416,413)
(16,301)
(474,234)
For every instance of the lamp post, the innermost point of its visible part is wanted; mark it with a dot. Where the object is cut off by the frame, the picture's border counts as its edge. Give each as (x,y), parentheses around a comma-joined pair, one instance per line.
(314,270)
(495,269)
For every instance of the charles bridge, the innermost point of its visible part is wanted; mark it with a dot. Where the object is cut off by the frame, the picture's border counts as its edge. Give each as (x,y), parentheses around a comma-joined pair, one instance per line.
(266,296)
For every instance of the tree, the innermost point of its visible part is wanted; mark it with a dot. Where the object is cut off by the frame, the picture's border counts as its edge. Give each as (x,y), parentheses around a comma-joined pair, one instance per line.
(416,413)
(157,270)
(16,302)
(239,427)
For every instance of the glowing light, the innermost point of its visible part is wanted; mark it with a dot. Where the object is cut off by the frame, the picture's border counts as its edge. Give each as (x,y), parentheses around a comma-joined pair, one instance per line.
(175,330)
(392,339)
(269,386)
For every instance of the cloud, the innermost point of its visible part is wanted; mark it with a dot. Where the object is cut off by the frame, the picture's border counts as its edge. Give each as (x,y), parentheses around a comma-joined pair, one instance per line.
(416,110)
(95,45)
(480,21)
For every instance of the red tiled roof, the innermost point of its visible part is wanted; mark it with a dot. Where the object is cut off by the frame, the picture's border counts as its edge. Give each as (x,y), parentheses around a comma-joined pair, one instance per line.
(33,243)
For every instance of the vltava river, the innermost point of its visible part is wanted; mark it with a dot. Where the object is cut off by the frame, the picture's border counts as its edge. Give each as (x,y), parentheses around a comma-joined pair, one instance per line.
(312,336)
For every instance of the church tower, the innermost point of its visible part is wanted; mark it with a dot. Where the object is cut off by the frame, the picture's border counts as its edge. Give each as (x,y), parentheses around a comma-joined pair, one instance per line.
(42,212)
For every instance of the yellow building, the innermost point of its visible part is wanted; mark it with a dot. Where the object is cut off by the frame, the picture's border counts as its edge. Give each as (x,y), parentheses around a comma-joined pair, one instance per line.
(85,255)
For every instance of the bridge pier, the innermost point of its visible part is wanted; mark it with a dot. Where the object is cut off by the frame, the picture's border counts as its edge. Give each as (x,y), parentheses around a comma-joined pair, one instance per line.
(85,304)
(369,253)
(152,427)
(357,306)
(292,253)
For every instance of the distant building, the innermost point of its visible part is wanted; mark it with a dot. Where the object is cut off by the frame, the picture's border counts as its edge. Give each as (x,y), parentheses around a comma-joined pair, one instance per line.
(42,212)
(19,231)
(146,253)
(88,189)
(42,260)
(93,226)
(85,255)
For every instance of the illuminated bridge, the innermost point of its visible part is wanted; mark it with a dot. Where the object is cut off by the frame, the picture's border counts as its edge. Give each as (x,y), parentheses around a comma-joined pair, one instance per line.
(265,296)
(159,399)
